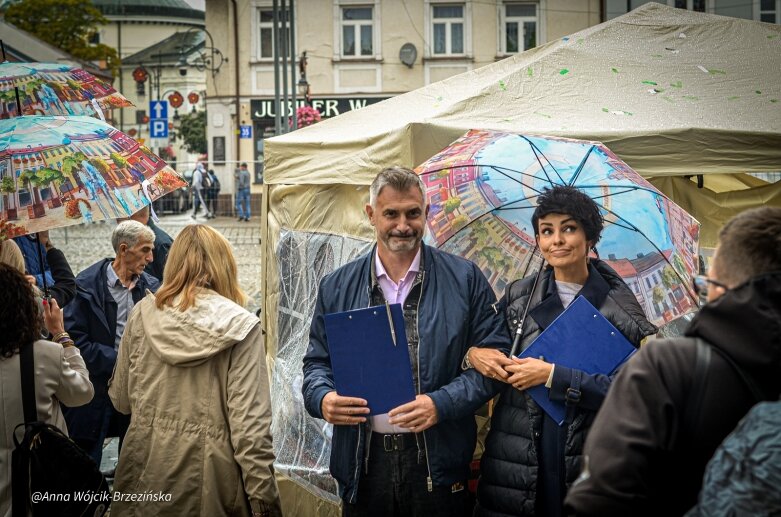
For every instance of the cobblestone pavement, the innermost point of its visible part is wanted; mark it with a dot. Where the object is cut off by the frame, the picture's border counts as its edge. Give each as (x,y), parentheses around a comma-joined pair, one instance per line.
(85,244)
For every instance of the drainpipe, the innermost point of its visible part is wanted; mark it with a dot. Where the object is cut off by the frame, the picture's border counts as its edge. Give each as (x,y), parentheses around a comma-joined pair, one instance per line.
(236,63)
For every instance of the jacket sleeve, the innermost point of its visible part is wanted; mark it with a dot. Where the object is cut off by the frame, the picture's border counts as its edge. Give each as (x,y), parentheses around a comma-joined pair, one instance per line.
(64,288)
(75,388)
(249,418)
(118,389)
(593,387)
(100,357)
(633,431)
(470,390)
(318,376)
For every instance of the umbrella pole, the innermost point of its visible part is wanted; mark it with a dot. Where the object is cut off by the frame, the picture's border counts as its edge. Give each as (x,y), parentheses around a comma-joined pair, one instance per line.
(42,264)
(519,330)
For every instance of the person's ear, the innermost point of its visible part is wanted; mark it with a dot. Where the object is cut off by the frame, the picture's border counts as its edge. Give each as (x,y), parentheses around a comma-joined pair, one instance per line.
(370,212)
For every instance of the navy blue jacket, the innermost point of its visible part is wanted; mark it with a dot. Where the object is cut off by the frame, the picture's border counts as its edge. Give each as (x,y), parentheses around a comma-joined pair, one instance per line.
(91,320)
(457,310)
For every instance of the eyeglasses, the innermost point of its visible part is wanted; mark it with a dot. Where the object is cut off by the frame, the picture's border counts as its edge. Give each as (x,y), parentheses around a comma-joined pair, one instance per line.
(701,283)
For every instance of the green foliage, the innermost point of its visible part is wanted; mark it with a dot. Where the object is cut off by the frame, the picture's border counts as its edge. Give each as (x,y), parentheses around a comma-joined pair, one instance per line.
(451,204)
(669,278)
(100,164)
(192,129)
(7,185)
(66,24)
(118,160)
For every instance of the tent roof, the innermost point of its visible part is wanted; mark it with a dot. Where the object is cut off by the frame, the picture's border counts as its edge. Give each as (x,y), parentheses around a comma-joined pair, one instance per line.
(670,91)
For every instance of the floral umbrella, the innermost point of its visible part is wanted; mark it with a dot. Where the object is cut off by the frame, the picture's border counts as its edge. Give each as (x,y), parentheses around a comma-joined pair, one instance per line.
(483,189)
(58,171)
(54,89)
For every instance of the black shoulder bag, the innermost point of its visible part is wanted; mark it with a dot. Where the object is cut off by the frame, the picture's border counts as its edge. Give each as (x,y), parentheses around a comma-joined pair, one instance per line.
(51,475)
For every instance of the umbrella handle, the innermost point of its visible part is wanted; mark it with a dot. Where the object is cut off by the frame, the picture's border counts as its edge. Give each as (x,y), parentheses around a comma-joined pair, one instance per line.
(519,330)
(42,264)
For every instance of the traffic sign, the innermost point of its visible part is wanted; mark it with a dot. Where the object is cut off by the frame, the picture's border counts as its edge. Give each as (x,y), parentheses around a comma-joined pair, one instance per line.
(158,109)
(245,131)
(158,122)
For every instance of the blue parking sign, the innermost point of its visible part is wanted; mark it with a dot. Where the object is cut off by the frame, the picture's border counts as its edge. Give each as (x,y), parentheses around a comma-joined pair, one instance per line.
(158,119)
(245,131)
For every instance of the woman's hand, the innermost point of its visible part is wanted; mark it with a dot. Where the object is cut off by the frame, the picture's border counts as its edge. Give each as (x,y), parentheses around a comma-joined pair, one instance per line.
(52,316)
(489,362)
(527,372)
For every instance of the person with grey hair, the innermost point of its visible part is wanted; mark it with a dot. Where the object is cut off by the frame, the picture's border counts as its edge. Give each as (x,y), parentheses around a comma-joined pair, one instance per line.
(105,294)
(413,460)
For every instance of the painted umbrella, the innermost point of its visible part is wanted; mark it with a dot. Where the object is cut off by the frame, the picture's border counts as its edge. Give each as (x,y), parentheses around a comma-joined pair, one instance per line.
(483,189)
(54,89)
(59,171)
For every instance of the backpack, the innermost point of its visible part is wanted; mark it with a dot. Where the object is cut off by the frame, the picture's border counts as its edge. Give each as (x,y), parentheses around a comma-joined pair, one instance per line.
(206,181)
(51,475)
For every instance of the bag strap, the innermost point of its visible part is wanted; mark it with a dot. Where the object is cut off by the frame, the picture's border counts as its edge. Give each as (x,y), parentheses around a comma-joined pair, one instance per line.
(701,367)
(27,367)
(752,386)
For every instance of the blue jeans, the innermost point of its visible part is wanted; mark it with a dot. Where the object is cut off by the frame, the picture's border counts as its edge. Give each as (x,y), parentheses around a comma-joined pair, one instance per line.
(242,203)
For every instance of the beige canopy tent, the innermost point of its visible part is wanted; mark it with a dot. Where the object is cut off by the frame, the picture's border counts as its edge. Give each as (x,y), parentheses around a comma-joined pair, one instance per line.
(673,93)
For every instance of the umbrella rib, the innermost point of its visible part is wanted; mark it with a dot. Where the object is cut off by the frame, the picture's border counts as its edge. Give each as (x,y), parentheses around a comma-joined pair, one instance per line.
(628,187)
(580,166)
(536,150)
(636,229)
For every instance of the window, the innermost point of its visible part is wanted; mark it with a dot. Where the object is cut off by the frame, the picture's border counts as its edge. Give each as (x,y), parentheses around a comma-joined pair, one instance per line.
(266,32)
(447,30)
(768,11)
(357,32)
(519,27)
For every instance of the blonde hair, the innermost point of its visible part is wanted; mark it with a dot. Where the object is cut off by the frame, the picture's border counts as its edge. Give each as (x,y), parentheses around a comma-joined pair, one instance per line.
(200,257)
(11,254)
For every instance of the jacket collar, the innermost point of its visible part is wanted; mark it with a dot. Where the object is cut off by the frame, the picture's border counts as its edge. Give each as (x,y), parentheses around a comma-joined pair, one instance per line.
(595,290)
(425,264)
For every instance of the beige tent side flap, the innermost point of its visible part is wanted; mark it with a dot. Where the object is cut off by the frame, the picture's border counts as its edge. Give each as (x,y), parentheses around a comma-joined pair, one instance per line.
(714,209)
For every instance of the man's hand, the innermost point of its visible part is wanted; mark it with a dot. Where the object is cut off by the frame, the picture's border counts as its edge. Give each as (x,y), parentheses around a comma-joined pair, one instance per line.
(340,410)
(33,281)
(43,238)
(528,372)
(417,416)
(490,362)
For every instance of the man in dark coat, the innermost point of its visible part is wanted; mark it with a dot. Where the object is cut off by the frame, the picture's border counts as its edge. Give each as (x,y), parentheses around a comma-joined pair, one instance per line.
(650,442)
(415,459)
(106,293)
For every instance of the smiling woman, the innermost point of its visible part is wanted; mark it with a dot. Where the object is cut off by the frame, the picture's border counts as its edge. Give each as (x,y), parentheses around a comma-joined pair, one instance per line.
(567,224)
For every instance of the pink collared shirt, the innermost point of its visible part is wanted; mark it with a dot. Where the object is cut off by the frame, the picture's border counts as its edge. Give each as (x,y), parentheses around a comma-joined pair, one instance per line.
(394,293)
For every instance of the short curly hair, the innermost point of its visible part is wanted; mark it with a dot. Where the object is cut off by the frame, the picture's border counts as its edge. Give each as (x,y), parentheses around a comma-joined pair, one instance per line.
(570,201)
(20,325)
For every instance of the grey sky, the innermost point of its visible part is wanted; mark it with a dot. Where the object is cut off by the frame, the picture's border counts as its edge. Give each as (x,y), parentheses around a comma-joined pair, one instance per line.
(198,4)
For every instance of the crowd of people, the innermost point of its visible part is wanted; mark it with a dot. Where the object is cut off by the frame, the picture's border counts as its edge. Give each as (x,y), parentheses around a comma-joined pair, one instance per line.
(154,346)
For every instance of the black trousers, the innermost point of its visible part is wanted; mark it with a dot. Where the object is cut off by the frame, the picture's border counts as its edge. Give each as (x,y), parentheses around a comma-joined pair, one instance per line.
(396,483)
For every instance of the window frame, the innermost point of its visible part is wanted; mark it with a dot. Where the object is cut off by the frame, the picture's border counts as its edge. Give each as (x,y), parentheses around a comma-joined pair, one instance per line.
(257,32)
(448,30)
(504,20)
(356,25)
(376,24)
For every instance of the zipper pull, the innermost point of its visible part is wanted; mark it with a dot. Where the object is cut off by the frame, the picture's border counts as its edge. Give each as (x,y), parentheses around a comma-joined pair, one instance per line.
(429,484)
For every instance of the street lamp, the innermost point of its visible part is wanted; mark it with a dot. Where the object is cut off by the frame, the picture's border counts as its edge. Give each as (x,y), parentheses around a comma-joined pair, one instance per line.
(303,84)
(209,58)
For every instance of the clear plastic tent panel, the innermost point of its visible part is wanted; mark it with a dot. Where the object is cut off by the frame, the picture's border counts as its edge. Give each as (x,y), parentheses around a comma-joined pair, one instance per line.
(303,444)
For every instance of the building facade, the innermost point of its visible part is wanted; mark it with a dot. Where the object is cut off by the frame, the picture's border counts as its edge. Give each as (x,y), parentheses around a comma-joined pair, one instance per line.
(359,52)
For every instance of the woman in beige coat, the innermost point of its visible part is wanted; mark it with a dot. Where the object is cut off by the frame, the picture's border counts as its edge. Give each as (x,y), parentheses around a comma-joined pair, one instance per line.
(60,372)
(191,371)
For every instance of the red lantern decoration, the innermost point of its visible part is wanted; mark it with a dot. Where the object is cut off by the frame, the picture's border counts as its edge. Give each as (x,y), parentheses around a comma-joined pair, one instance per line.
(170,125)
(145,120)
(140,75)
(193,98)
(176,100)
(132,131)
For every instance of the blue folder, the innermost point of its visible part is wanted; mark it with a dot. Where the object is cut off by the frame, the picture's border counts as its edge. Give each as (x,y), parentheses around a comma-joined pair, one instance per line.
(580,338)
(369,359)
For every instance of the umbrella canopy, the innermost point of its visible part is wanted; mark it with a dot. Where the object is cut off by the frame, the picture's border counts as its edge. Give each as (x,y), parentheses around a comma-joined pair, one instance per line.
(58,171)
(483,189)
(54,89)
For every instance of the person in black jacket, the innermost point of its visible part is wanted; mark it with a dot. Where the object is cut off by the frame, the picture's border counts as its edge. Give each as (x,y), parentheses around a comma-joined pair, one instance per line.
(529,460)
(653,437)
